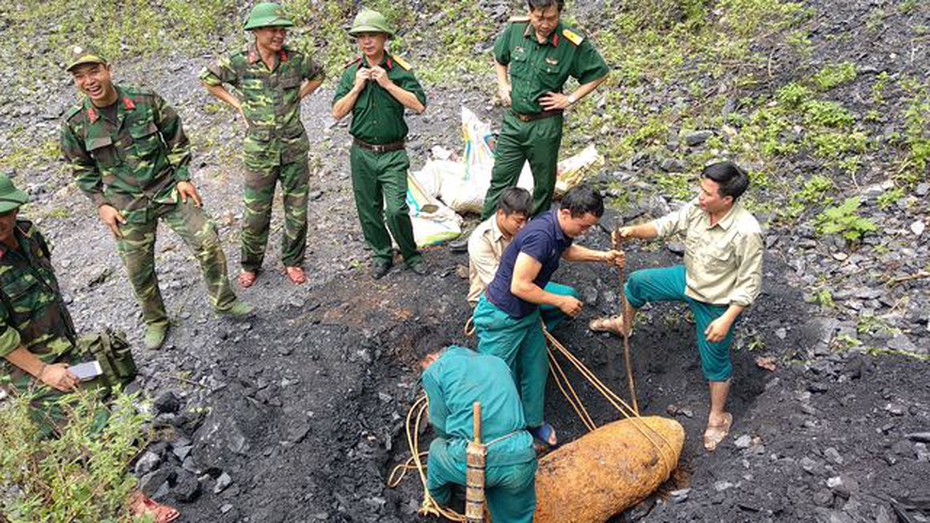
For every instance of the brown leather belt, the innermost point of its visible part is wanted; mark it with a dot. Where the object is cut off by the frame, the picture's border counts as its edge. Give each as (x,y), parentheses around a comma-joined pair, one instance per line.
(378,149)
(537,116)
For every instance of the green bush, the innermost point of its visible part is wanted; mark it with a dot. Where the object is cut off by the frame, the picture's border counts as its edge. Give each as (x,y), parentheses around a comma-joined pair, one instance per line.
(845,221)
(835,75)
(81,475)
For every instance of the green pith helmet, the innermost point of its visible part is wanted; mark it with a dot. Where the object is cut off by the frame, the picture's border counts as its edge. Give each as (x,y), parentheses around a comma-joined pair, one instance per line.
(267,14)
(83,54)
(10,197)
(370,21)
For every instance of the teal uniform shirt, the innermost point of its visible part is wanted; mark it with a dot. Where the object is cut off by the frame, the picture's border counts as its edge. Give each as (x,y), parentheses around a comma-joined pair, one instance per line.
(458,379)
(377,117)
(537,69)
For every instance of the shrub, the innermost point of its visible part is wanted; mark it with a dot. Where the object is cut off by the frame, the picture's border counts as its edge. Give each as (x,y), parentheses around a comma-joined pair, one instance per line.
(845,221)
(81,475)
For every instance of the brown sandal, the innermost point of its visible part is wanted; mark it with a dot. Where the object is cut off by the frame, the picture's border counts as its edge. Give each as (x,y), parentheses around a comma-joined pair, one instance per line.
(247,279)
(296,275)
(715,434)
(142,506)
(612,324)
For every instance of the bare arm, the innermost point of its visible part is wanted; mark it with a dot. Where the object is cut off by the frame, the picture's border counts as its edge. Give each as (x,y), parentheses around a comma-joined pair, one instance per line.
(522,286)
(577,253)
(643,231)
(344,105)
(553,101)
(308,87)
(56,375)
(406,98)
(224,96)
(503,83)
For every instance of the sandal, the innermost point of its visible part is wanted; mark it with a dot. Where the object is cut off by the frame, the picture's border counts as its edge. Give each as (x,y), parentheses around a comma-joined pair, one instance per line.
(715,434)
(544,436)
(612,324)
(295,274)
(142,506)
(247,279)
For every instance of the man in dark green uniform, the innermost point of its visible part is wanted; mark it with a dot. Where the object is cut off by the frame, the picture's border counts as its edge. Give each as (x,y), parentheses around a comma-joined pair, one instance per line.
(376,88)
(541,54)
(130,156)
(454,381)
(38,342)
(270,80)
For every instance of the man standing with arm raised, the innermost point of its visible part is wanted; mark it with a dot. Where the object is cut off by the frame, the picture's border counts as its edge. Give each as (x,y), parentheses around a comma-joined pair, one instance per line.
(721,277)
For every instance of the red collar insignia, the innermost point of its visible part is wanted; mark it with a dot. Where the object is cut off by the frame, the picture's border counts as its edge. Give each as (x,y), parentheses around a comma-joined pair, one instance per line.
(92,115)
(128,104)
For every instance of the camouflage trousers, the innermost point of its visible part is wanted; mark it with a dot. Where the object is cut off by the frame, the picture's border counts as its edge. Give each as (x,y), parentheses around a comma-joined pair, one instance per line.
(259,194)
(137,250)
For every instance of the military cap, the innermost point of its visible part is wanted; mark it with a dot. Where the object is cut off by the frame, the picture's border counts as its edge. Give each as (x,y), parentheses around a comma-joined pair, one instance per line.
(78,54)
(11,198)
(267,14)
(370,21)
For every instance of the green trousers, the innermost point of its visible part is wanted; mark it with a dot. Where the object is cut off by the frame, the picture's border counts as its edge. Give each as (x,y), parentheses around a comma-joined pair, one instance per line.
(260,182)
(510,489)
(538,142)
(379,182)
(137,250)
(668,284)
(522,345)
(551,315)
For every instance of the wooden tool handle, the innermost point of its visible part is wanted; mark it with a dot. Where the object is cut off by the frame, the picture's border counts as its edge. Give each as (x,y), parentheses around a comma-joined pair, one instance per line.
(476,420)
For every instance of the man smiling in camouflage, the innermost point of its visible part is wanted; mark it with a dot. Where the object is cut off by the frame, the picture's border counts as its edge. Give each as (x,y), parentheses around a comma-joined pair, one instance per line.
(270,80)
(130,156)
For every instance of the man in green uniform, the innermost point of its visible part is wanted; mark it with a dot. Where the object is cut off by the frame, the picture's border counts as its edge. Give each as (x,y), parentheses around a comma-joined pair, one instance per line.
(376,88)
(541,54)
(270,80)
(38,342)
(130,156)
(454,380)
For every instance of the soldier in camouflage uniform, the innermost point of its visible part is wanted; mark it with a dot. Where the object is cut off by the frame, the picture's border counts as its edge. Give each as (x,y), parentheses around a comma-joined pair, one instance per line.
(130,156)
(37,338)
(270,80)
(376,88)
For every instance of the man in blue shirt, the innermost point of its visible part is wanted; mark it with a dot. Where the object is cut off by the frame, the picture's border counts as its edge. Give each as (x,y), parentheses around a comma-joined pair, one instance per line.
(507,319)
(454,380)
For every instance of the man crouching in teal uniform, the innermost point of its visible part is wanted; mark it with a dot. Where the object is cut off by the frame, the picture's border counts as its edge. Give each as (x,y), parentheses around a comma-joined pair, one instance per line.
(455,379)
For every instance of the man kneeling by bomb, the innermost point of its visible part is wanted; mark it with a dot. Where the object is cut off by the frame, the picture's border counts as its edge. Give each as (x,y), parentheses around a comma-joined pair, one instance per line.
(40,353)
(454,380)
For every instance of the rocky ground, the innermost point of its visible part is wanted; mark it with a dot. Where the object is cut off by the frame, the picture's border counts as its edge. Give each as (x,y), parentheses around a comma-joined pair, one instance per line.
(297,414)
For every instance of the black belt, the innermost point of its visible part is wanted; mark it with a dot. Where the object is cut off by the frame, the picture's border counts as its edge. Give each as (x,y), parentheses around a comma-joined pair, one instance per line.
(379,149)
(537,116)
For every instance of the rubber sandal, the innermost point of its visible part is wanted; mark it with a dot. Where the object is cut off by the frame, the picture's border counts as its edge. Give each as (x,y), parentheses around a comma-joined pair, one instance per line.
(542,434)
(142,506)
(715,434)
(607,325)
(295,274)
(247,279)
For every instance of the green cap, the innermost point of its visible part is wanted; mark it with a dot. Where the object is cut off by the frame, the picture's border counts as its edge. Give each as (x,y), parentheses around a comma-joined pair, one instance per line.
(370,21)
(10,197)
(267,14)
(83,54)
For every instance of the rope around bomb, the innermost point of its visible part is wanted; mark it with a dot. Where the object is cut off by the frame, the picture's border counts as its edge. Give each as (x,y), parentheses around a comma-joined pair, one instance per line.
(429,506)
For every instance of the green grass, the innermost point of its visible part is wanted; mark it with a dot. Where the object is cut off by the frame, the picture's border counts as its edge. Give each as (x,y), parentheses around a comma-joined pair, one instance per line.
(834,75)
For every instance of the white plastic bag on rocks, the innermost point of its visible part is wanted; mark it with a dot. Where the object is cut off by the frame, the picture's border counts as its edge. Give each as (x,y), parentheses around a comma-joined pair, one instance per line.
(432,221)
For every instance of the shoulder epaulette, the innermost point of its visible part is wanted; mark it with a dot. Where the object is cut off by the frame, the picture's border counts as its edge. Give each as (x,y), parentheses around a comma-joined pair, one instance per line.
(519,19)
(73,111)
(352,62)
(401,62)
(572,36)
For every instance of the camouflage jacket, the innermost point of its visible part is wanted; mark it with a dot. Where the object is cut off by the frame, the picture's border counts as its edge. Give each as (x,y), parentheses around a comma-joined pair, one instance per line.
(32,312)
(270,101)
(131,163)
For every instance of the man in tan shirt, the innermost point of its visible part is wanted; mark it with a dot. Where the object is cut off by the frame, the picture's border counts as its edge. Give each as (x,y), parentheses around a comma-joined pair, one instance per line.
(721,276)
(487,243)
